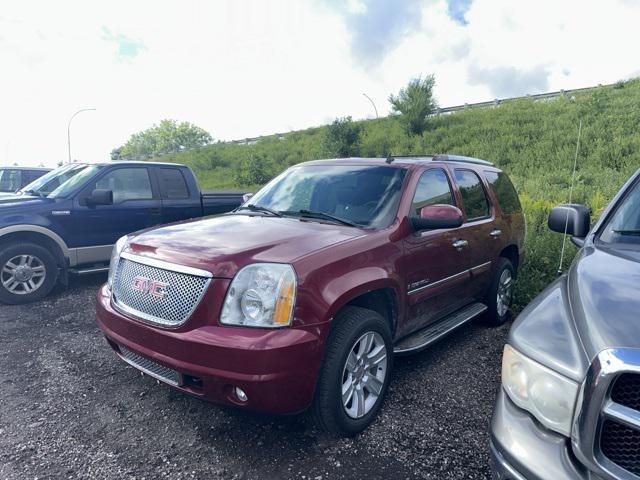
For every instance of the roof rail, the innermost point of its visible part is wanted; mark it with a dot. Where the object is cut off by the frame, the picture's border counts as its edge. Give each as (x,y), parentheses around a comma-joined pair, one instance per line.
(440,157)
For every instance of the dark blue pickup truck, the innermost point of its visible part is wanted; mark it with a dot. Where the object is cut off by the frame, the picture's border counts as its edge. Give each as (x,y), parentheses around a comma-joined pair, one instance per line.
(68,220)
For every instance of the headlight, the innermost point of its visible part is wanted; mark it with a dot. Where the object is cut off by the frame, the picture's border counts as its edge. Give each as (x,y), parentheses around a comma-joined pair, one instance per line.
(261,295)
(115,256)
(547,395)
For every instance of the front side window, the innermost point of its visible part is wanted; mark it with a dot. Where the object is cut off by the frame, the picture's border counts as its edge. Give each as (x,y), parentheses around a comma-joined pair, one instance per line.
(475,200)
(367,196)
(10,180)
(624,225)
(433,189)
(126,184)
(504,191)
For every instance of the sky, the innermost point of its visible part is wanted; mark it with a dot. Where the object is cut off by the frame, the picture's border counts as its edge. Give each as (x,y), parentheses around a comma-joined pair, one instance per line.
(243,68)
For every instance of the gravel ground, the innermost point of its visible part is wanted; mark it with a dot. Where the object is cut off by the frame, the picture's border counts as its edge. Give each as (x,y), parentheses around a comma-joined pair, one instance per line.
(70,409)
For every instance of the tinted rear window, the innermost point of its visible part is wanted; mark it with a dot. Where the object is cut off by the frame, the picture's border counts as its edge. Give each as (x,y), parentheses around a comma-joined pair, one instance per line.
(504,191)
(172,184)
(475,200)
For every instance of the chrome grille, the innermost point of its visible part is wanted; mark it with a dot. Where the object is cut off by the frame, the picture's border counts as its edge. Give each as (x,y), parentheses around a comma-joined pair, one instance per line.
(149,367)
(169,305)
(606,430)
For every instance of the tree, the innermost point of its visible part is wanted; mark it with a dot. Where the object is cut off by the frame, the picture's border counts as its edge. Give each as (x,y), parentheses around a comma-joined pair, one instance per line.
(415,102)
(168,136)
(253,170)
(342,138)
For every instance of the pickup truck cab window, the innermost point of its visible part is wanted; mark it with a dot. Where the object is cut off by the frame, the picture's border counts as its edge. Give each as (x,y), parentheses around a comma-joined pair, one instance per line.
(474,197)
(126,184)
(433,188)
(172,184)
(364,195)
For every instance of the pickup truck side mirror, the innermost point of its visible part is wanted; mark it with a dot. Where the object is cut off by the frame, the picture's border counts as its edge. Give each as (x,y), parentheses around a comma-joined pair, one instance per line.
(437,216)
(101,197)
(574,217)
(246,197)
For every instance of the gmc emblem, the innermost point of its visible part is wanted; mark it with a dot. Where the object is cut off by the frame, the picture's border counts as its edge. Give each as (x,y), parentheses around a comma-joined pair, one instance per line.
(155,288)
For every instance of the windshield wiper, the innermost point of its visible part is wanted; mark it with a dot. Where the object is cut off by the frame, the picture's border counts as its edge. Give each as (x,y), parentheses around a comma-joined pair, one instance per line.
(31,192)
(259,208)
(324,216)
(628,232)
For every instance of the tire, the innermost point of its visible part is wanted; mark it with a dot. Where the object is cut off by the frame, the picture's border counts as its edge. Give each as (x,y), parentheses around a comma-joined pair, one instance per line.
(498,300)
(354,325)
(28,272)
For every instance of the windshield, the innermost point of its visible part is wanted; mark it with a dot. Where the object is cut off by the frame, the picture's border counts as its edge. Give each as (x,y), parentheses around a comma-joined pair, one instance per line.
(76,181)
(367,196)
(624,225)
(47,183)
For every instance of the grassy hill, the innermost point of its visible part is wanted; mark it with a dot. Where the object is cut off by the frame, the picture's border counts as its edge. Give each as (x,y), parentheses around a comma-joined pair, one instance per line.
(534,142)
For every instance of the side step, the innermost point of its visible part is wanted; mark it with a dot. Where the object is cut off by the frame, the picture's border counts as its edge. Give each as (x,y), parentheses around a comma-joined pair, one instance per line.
(89,270)
(425,337)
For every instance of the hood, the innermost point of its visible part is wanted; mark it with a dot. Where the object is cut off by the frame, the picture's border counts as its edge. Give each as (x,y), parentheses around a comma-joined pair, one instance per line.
(18,203)
(224,244)
(604,292)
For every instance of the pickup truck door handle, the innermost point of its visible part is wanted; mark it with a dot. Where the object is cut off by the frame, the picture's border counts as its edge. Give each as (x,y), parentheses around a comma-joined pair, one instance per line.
(154,211)
(495,233)
(460,244)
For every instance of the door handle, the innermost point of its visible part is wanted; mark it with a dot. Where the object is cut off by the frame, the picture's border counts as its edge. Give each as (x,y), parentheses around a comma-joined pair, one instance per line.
(154,211)
(460,244)
(495,233)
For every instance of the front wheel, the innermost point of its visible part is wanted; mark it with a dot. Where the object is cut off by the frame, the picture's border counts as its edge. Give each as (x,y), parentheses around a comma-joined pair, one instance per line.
(500,294)
(28,272)
(356,372)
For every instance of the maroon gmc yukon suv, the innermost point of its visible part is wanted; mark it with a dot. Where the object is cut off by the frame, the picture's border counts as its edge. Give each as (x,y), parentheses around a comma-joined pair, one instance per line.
(301,297)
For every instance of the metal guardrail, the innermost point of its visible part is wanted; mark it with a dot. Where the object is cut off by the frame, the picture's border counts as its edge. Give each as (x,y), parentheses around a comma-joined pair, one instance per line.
(456,108)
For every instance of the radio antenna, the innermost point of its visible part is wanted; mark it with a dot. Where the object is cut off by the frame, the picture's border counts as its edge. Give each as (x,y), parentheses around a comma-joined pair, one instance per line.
(573,177)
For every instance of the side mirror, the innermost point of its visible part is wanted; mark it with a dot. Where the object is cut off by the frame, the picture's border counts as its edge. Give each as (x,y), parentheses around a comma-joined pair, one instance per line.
(101,197)
(574,217)
(246,197)
(437,216)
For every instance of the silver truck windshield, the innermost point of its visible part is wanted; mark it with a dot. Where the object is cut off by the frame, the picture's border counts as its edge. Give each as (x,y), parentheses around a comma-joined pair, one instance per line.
(366,196)
(46,184)
(624,225)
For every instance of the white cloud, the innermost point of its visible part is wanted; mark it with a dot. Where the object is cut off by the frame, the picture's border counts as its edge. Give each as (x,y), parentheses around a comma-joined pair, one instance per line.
(247,67)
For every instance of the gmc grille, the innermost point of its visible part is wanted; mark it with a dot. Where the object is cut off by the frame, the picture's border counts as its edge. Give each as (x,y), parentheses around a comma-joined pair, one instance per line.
(156,295)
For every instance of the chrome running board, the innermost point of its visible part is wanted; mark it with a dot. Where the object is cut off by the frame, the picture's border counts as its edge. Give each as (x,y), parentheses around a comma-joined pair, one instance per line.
(425,337)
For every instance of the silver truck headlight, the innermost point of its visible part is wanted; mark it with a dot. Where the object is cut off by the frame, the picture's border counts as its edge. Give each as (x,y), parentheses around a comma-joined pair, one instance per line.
(261,295)
(547,395)
(115,258)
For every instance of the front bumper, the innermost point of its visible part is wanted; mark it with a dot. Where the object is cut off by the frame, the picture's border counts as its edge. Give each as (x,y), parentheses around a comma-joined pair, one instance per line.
(522,449)
(276,368)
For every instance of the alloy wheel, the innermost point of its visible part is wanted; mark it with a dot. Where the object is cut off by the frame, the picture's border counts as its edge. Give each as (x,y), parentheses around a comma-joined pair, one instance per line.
(505,293)
(23,274)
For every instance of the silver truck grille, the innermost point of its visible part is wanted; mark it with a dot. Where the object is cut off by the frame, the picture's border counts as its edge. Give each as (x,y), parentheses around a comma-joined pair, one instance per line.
(149,367)
(606,430)
(157,292)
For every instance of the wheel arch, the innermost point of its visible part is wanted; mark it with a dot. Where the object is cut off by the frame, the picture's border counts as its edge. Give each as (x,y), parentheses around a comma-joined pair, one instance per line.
(511,253)
(39,235)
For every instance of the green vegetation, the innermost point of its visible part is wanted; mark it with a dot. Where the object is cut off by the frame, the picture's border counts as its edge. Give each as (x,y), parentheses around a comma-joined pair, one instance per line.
(168,136)
(534,142)
(415,103)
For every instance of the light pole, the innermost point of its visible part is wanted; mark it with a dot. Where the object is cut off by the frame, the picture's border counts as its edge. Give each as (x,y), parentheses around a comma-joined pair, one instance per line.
(69,128)
(374,105)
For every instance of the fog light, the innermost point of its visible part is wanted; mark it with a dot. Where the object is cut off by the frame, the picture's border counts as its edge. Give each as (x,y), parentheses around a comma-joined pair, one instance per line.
(240,394)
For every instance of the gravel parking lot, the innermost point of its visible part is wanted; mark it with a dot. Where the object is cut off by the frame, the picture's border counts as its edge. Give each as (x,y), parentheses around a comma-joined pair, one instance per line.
(70,409)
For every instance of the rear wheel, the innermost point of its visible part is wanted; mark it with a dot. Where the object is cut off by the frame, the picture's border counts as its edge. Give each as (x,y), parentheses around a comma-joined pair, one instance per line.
(500,294)
(356,372)
(28,272)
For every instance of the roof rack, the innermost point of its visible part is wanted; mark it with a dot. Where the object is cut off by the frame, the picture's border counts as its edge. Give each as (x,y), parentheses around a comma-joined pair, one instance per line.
(442,158)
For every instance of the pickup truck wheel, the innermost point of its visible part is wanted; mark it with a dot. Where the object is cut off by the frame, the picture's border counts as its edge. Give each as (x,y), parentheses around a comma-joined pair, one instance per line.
(356,372)
(28,272)
(500,294)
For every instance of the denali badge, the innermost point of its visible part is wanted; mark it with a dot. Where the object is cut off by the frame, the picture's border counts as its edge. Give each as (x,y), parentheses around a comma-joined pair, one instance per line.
(156,289)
